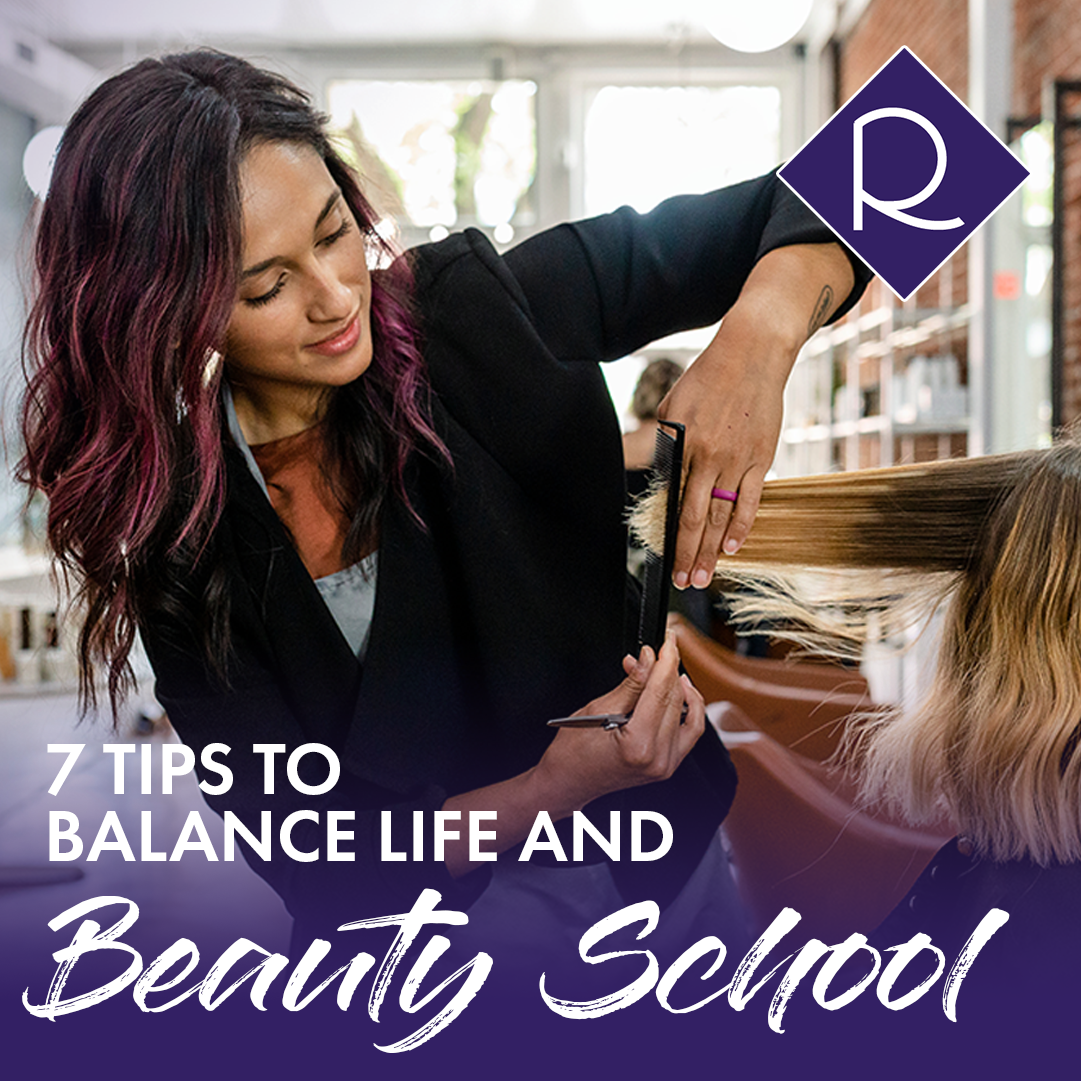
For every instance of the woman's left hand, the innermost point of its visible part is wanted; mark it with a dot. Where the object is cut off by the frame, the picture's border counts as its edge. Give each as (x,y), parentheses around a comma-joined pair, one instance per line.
(731,399)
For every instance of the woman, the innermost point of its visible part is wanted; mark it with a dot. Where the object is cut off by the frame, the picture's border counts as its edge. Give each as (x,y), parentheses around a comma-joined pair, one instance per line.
(657,379)
(989,544)
(226,404)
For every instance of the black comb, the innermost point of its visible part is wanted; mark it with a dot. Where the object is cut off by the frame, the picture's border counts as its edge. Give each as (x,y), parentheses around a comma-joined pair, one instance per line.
(667,473)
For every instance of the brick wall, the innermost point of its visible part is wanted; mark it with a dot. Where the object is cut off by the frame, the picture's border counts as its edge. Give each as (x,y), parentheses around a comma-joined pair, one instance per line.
(1047,45)
(937,32)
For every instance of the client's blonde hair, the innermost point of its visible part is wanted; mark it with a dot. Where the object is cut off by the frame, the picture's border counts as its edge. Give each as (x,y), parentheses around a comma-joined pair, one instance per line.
(993,542)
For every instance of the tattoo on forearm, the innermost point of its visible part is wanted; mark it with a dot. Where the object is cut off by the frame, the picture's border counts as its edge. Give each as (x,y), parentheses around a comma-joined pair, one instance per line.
(823,306)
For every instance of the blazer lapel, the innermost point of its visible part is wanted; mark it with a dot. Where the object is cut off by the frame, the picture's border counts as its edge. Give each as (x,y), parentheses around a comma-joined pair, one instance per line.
(310,659)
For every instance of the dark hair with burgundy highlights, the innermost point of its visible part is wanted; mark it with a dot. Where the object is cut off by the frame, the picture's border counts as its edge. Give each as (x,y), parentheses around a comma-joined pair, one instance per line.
(137,260)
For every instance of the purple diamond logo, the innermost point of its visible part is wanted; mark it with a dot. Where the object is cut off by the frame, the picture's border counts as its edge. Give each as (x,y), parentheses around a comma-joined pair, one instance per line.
(904,173)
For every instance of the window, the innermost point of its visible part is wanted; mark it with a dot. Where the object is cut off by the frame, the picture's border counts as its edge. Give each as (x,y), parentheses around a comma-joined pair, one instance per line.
(441,154)
(644,143)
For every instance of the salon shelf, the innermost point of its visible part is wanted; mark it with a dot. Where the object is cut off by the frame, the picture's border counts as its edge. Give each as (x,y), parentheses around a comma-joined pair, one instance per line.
(842,409)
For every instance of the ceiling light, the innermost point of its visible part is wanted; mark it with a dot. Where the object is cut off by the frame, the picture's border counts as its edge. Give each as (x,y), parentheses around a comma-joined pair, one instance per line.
(755,26)
(38,158)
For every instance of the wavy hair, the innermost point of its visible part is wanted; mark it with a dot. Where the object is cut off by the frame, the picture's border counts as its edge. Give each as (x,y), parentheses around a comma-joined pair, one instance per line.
(136,262)
(994,545)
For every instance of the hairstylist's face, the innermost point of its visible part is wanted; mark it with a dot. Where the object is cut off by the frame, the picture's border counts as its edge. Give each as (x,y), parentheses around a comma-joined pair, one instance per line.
(301,319)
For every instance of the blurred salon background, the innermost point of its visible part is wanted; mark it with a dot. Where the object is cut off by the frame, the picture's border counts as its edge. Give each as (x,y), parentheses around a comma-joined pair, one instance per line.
(512,115)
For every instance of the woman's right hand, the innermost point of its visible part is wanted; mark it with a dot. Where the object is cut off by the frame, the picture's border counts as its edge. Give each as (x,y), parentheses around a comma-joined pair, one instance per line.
(582,764)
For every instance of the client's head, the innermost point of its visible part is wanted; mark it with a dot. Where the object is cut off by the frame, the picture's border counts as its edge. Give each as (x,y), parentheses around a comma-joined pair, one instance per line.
(1001,722)
(992,546)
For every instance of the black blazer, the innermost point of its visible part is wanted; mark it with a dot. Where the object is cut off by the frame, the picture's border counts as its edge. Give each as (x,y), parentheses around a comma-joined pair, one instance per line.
(508,605)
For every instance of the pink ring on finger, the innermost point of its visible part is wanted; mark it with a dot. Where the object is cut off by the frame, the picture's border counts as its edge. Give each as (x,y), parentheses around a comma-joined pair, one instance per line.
(725,494)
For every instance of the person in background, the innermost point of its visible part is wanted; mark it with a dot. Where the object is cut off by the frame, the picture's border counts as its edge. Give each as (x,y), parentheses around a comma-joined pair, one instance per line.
(657,379)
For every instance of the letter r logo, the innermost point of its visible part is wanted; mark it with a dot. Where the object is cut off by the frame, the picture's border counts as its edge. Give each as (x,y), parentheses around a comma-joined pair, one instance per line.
(901,187)
(895,208)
